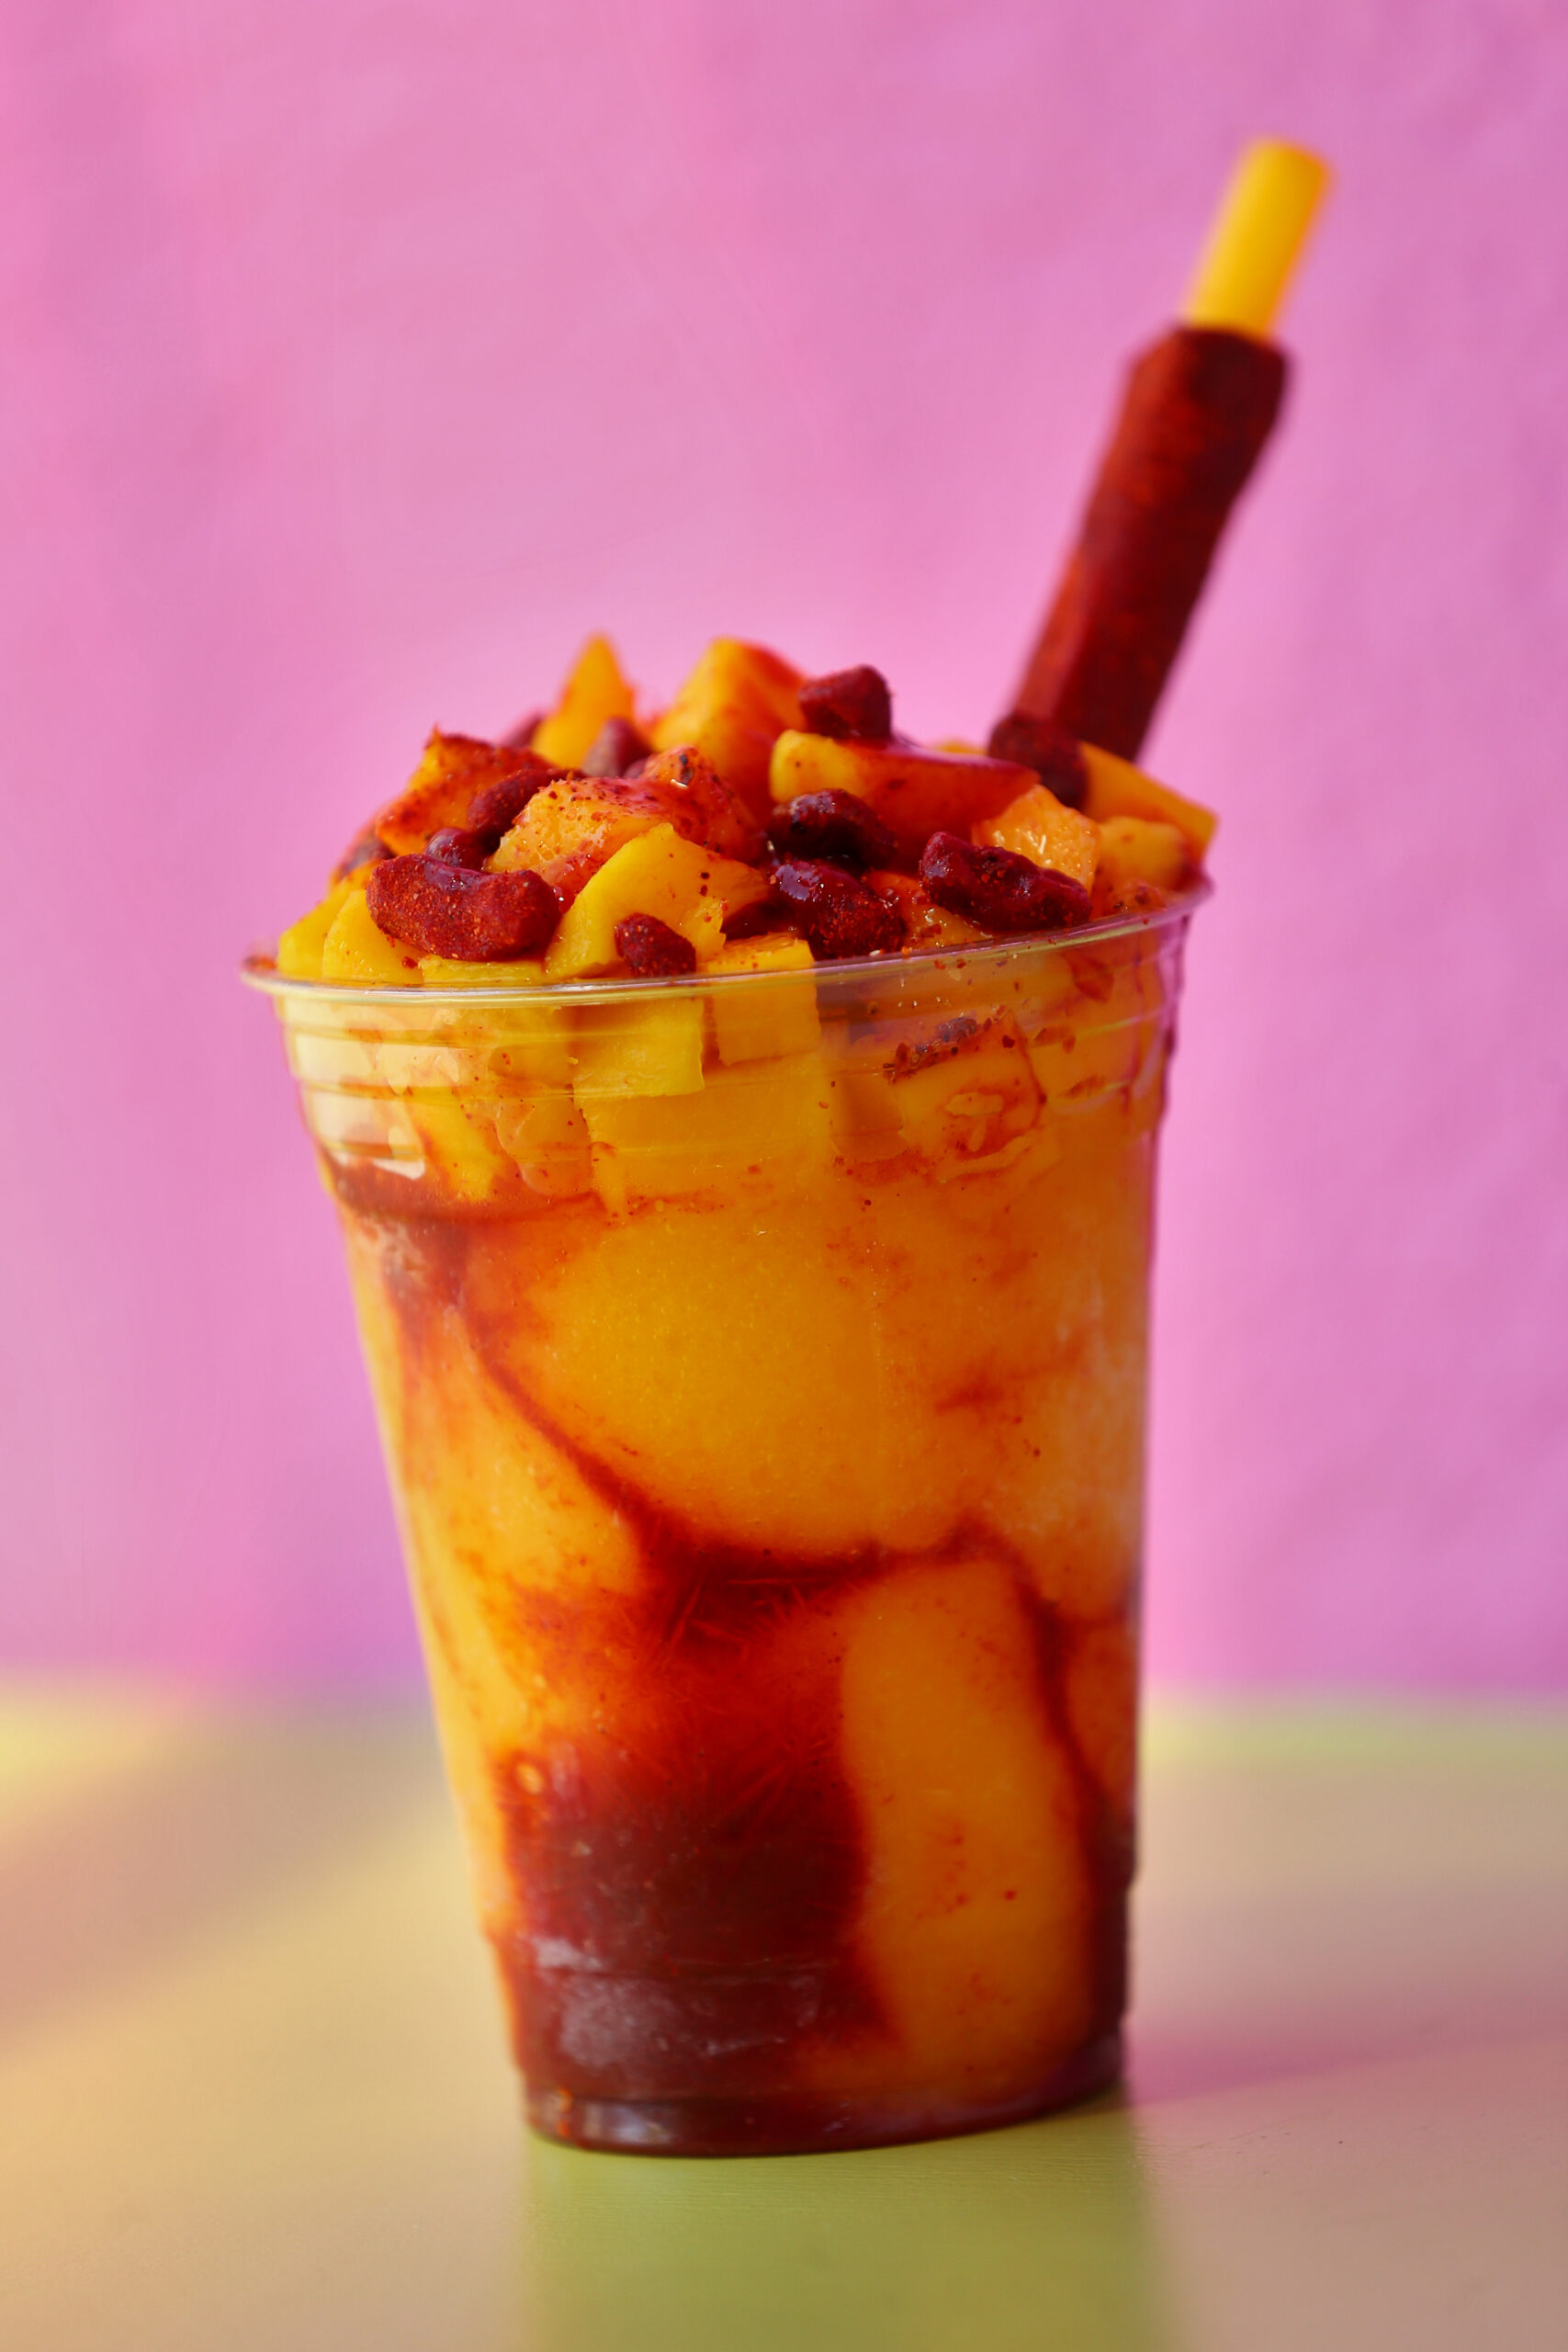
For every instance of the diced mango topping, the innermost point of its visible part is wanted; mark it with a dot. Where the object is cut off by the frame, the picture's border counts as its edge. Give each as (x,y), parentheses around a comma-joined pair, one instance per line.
(355,950)
(1037,825)
(736,702)
(682,837)
(448,972)
(452,768)
(1144,849)
(299,947)
(657,873)
(597,690)
(769,951)
(1116,788)
(570,829)
(915,792)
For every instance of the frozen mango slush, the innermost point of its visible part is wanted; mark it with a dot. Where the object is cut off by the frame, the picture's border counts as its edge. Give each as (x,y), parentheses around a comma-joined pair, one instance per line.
(742,1122)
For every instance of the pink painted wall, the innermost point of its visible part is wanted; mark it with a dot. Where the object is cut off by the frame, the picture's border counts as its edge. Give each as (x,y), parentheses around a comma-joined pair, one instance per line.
(361,359)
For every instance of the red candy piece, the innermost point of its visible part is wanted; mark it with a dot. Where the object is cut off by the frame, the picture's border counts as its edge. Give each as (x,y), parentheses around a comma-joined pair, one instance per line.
(497,806)
(441,909)
(652,951)
(1049,749)
(847,704)
(454,846)
(835,825)
(998,888)
(618,745)
(835,912)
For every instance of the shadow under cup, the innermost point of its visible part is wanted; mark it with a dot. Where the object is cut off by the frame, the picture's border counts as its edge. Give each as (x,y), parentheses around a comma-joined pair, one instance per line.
(760,1367)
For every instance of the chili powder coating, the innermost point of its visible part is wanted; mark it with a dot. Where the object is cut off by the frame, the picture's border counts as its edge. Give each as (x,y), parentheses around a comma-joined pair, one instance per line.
(1199,405)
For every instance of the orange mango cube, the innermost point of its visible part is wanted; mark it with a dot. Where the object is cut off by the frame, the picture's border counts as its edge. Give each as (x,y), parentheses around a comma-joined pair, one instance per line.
(299,947)
(915,792)
(595,691)
(452,768)
(656,872)
(1117,788)
(571,829)
(1144,849)
(357,949)
(1037,825)
(732,708)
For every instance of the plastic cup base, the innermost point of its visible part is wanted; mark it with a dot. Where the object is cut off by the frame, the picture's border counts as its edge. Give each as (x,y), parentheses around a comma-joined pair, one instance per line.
(800,2126)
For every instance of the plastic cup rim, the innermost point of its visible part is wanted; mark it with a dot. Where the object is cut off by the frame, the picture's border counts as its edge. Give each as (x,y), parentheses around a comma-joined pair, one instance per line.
(259,971)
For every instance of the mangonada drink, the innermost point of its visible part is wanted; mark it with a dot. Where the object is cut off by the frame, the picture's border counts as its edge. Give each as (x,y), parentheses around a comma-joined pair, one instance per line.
(758,1341)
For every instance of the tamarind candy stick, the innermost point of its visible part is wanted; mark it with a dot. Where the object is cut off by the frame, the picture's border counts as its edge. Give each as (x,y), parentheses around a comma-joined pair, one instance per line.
(1199,405)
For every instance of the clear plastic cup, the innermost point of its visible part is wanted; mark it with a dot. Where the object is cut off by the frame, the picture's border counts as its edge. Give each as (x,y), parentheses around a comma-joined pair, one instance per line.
(761,1364)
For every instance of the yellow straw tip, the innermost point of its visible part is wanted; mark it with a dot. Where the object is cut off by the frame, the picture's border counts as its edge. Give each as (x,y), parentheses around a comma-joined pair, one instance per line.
(1257,237)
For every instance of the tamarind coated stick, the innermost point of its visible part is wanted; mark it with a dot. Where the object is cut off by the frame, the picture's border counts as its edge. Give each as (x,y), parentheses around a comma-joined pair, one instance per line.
(1199,407)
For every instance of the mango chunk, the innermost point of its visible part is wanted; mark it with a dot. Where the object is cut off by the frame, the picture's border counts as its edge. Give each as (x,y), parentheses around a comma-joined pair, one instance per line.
(970,1106)
(299,947)
(657,873)
(1039,826)
(1144,849)
(450,972)
(975,1925)
(925,923)
(701,805)
(357,949)
(650,1150)
(731,887)
(569,830)
(915,792)
(736,702)
(533,1044)
(460,1142)
(769,951)
(631,1049)
(753,1025)
(595,691)
(547,1138)
(1116,788)
(452,768)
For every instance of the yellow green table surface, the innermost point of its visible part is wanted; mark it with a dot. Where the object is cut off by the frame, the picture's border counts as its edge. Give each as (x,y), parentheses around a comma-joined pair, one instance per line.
(253,2091)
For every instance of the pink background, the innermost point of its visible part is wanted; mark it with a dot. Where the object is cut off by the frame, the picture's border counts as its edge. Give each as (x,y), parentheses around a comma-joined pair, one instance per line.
(362,358)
